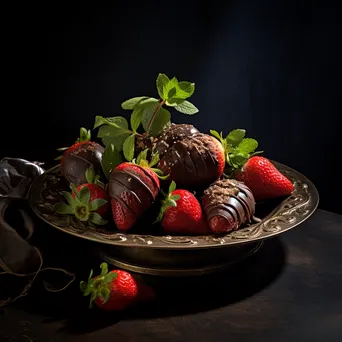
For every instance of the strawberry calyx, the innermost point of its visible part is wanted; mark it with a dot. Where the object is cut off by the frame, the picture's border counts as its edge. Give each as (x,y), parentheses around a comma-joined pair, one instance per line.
(79,205)
(92,177)
(85,135)
(141,160)
(238,149)
(169,201)
(100,286)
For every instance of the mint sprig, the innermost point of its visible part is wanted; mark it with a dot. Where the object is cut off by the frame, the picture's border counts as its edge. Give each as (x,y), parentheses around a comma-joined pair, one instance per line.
(238,149)
(111,158)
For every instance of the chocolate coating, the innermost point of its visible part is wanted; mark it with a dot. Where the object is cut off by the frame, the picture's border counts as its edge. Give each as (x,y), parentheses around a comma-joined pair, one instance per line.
(74,164)
(231,200)
(192,161)
(171,135)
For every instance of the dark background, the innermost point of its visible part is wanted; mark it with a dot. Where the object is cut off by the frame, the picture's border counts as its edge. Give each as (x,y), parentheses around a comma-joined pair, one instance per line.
(271,67)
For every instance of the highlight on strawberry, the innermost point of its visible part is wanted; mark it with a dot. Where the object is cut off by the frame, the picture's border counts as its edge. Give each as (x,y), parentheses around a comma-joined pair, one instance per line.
(77,158)
(88,202)
(181,213)
(258,173)
(115,290)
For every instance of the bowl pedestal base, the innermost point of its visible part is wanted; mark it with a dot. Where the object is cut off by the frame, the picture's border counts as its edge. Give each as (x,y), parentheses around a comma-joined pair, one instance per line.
(177,262)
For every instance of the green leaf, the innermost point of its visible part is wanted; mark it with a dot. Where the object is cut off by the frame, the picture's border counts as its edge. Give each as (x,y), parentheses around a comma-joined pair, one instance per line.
(116,121)
(171,84)
(111,158)
(238,160)
(91,274)
(172,187)
(172,92)
(136,118)
(215,134)
(70,199)
(155,159)
(110,277)
(104,269)
(96,204)
(84,135)
(111,135)
(90,175)
(142,156)
(133,102)
(175,197)
(84,195)
(128,147)
(170,203)
(235,137)
(83,286)
(97,219)
(75,191)
(59,158)
(185,89)
(186,107)
(248,145)
(174,102)
(161,119)
(62,208)
(162,81)
(105,292)
(158,172)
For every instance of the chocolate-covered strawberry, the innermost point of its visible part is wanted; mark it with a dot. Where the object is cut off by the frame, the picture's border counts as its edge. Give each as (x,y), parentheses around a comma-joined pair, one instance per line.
(133,188)
(194,161)
(79,157)
(228,204)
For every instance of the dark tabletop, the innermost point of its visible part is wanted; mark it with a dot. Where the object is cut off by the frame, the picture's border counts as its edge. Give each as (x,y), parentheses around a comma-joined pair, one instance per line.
(290,290)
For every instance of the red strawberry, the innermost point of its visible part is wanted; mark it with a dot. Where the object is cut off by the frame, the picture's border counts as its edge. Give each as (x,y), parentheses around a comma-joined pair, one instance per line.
(79,157)
(88,202)
(115,290)
(181,213)
(228,204)
(264,179)
(133,189)
(194,161)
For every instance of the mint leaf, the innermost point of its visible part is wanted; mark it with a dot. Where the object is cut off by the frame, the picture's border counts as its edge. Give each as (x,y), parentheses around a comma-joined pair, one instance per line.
(111,158)
(96,204)
(161,119)
(185,89)
(84,195)
(172,187)
(215,134)
(133,102)
(136,118)
(171,84)
(238,160)
(186,107)
(128,147)
(235,137)
(97,219)
(116,121)
(175,101)
(248,145)
(62,208)
(162,81)
(172,92)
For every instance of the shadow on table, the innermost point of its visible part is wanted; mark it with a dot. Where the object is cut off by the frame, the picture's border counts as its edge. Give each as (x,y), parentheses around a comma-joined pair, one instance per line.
(175,297)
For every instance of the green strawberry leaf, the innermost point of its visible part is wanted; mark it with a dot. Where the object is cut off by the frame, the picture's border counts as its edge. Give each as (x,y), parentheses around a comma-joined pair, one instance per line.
(136,118)
(84,135)
(142,156)
(172,187)
(70,199)
(84,195)
(161,82)
(62,208)
(170,203)
(110,277)
(104,269)
(111,158)
(75,192)
(175,197)
(90,175)
(154,160)
(96,204)
(128,147)
(235,137)
(248,145)
(133,102)
(96,219)
(186,107)
(216,134)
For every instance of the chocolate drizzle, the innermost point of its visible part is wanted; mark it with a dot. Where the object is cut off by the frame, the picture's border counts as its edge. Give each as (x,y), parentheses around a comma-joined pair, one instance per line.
(75,163)
(124,184)
(231,200)
(192,161)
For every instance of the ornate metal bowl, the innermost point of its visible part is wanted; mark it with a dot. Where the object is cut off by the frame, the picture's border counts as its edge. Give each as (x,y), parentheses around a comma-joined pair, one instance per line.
(178,255)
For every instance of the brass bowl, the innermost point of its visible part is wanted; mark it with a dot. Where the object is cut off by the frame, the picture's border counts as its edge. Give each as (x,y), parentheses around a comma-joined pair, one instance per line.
(178,255)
